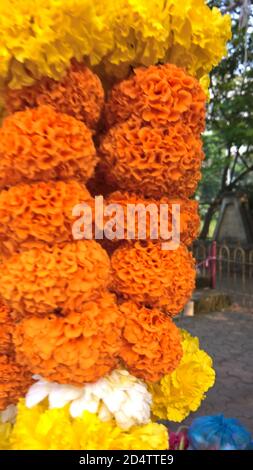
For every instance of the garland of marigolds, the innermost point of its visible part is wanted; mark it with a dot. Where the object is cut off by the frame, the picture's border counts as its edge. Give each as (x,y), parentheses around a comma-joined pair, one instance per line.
(99,95)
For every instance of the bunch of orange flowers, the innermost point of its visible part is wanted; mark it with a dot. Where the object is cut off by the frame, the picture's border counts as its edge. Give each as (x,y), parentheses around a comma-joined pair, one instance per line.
(153,143)
(152,149)
(64,323)
(68,326)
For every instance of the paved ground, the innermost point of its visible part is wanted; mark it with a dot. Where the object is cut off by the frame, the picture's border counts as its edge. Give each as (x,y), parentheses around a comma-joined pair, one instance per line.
(228,338)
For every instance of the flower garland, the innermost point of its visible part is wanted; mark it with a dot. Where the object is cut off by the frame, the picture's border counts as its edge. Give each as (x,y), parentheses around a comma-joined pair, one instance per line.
(79,94)
(189,218)
(39,212)
(58,278)
(151,342)
(40,38)
(41,144)
(67,326)
(118,396)
(77,348)
(42,429)
(181,392)
(149,275)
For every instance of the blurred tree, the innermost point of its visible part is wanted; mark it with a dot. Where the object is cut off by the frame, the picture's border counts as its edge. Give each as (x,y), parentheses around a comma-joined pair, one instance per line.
(228,140)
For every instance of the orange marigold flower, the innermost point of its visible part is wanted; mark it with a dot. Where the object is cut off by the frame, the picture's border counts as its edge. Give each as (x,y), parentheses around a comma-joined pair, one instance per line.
(78,348)
(189,218)
(6,330)
(145,273)
(159,95)
(151,344)
(39,212)
(54,278)
(15,380)
(41,144)
(79,94)
(153,161)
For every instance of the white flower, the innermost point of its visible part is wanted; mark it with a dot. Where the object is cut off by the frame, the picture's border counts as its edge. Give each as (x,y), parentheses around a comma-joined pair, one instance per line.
(119,395)
(37,393)
(58,395)
(114,399)
(104,414)
(87,402)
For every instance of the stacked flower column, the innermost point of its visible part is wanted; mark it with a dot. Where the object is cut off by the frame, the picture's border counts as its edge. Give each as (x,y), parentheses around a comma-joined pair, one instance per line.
(67,325)
(45,158)
(60,320)
(152,152)
(153,149)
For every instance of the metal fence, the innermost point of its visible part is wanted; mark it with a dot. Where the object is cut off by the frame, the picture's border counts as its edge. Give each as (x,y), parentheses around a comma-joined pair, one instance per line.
(229,269)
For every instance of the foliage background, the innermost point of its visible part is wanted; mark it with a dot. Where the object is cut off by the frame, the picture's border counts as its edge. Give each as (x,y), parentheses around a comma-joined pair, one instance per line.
(228,140)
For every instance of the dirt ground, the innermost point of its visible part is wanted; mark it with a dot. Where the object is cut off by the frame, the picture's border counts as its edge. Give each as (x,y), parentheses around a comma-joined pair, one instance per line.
(228,338)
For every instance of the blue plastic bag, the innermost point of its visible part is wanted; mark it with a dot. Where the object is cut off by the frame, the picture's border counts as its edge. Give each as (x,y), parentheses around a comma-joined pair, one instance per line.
(218,433)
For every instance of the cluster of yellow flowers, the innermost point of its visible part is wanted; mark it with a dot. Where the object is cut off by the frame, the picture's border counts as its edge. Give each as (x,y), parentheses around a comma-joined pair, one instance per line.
(40,428)
(179,393)
(39,37)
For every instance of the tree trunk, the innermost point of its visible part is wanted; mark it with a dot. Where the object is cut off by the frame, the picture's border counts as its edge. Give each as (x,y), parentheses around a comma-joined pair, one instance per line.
(208,218)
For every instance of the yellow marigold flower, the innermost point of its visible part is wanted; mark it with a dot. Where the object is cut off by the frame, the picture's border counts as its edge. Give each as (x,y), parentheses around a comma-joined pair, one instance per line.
(40,37)
(188,34)
(181,392)
(43,429)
